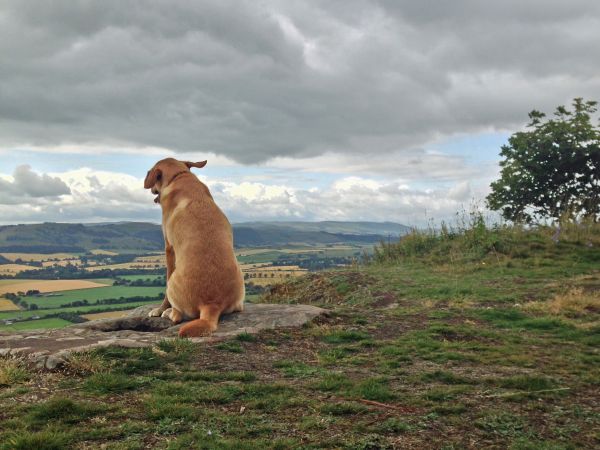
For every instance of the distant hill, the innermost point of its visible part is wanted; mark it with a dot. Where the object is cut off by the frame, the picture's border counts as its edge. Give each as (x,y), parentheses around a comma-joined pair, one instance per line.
(336,227)
(130,237)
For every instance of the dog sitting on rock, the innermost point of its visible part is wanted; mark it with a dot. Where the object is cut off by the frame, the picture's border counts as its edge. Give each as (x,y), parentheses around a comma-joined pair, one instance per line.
(204,279)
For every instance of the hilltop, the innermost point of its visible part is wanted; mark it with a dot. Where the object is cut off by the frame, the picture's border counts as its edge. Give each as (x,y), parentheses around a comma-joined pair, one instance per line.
(476,338)
(130,237)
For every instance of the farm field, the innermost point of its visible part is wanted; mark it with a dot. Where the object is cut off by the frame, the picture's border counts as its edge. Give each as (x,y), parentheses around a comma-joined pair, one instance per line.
(14,269)
(91,295)
(39,256)
(140,277)
(104,315)
(141,262)
(53,322)
(48,285)
(12,315)
(99,251)
(7,305)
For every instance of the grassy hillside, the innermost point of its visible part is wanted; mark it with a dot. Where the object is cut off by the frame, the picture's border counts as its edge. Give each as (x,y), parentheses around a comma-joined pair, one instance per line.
(130,237)
(468,338)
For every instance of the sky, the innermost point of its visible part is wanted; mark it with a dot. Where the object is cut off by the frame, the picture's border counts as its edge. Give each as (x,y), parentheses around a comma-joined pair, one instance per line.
(305,110)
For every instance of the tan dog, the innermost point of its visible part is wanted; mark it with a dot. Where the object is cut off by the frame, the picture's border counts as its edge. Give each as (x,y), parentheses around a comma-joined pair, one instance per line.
(204,279)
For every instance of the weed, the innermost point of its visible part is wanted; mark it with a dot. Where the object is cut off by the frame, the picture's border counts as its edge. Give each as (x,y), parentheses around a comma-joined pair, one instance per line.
(445,377)
(374,389)
(295,369)
(393,425)
(230,346)
(333,382)
(43,440)
(343,409)
(62,410)
(177,346)
(526,383)
(12,371)
(87,363)
(503,424)
(344,336)
(246,337)
(111,383)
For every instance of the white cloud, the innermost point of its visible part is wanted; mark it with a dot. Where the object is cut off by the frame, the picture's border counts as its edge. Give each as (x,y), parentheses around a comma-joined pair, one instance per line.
(26,184)
(109,196)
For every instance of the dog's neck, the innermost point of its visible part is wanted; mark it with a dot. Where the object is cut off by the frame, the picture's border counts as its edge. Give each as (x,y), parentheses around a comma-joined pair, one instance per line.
(167,189)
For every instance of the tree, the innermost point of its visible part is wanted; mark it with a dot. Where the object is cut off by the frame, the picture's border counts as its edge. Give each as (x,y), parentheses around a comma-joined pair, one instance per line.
(552,170)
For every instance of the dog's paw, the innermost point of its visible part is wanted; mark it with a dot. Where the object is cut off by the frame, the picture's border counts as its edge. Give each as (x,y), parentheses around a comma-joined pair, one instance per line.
(167,313)
(156,312)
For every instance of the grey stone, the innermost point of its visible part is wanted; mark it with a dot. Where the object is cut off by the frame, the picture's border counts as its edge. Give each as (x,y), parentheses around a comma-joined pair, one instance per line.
(48,349)
(52,362)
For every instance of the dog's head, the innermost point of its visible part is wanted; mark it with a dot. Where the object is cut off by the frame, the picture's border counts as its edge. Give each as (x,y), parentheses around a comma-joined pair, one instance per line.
(163,173)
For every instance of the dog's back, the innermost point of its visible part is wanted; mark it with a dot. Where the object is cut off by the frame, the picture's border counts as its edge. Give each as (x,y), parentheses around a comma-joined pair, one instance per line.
(207,276)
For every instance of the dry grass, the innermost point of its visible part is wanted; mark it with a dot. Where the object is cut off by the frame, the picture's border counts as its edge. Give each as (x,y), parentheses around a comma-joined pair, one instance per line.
(105,315)
(87,363)
(141,262)
(38,256)
(48,285)
(151,259)
(576,302)
(99,251)
(14,269)
(12,371)
(130,265)
(7,305)
(63,263)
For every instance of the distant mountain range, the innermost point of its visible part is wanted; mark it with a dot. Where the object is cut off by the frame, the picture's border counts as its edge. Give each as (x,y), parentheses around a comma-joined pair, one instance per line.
(52,237)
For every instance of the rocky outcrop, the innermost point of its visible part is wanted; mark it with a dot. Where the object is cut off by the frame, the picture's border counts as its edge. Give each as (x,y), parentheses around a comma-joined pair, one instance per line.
(50,348)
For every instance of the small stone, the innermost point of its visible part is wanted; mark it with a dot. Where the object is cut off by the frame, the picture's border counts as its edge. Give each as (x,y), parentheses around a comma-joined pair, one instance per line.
(19,350)
(53,361)
(4,351)
(40,362)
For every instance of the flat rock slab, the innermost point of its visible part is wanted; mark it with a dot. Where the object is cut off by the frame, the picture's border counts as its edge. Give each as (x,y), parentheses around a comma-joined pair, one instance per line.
(49,348)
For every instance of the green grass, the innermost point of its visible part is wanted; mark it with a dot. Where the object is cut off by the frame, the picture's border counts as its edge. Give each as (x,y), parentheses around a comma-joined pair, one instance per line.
(75,309)
(36,324)
(140,277)
(91,295)
(467,356)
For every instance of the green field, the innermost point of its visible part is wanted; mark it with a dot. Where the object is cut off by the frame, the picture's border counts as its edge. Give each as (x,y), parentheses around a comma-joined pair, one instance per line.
(91,295)
(140,277)
(75,309)
(54,322)
(267,256)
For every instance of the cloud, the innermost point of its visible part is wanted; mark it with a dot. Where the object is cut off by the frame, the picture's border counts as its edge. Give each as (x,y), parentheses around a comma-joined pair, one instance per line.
(287,79)
(25,183)
(98,196)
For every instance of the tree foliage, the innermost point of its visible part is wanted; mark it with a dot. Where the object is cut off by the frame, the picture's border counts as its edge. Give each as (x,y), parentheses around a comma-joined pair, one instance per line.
(551,170)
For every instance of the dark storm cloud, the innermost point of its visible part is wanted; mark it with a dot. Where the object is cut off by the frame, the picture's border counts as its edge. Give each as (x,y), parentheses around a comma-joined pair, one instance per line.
(254,80)
(27,184)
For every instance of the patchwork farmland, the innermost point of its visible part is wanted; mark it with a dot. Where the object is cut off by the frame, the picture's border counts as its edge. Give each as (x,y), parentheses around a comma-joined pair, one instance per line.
(53,290)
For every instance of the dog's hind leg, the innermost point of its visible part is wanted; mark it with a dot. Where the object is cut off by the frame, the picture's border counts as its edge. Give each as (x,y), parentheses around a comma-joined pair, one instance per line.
(205,325)
(174,315)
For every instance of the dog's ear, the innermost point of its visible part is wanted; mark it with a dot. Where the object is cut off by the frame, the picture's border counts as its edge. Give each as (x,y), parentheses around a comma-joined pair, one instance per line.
(199,165)
(152,177)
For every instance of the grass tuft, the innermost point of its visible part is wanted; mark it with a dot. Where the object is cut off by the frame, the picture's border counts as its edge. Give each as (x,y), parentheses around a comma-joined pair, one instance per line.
(12,371)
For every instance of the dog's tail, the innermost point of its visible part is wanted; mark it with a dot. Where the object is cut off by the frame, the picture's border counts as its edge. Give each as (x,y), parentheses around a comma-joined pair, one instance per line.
(205,325)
